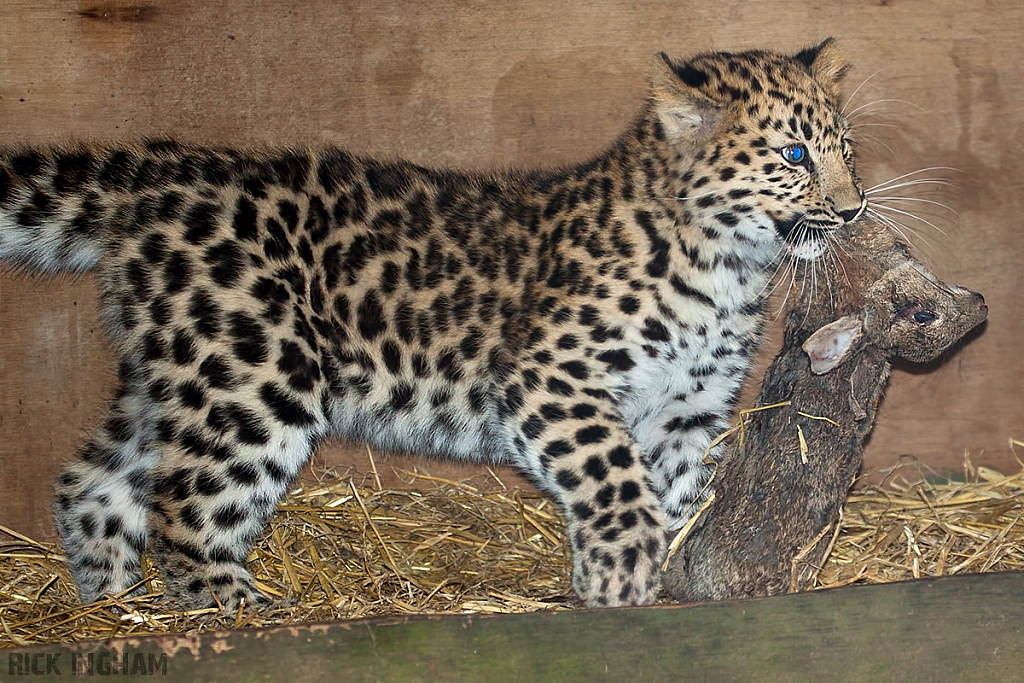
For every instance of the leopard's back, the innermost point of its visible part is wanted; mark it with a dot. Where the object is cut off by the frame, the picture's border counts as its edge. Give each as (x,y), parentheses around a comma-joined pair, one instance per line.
(380,297)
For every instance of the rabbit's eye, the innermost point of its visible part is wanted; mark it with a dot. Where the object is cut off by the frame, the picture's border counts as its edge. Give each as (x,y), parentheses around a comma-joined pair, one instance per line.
(917,313)
(924,317)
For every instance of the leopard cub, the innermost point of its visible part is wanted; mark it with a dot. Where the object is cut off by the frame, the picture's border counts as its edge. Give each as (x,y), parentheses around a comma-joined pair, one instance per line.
(589,325)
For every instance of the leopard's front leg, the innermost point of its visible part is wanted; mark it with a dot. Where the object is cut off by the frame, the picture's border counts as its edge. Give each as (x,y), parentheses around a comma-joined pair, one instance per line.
(679,456)
(576,446)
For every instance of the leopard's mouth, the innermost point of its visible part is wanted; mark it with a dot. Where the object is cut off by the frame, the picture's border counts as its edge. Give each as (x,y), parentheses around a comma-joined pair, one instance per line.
(786,227)
(805,238)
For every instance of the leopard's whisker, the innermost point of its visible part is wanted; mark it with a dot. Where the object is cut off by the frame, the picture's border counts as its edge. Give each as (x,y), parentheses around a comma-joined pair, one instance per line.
(825,280)
(912,173)
(778,258)
(888,101)
(810,276)
(831,280)
(857,90)
(790,285)
(886,220)
(840,266)
(868,120)
(778,283)
(813,266)
(790,290)
(781,263)
(898,228)
(838,245)
(883,207)
(822,275)
(784,280)
(917,199)
(891,224)
(840,263)
(866,113)
(801,237)
(875,141)
(910,183)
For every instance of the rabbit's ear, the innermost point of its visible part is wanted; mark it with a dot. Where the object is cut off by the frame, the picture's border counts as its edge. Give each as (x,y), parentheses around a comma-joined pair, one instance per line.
(834,343)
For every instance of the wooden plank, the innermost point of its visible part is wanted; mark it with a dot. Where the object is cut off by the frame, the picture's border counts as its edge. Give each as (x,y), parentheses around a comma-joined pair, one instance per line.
(958,628)
(473,83)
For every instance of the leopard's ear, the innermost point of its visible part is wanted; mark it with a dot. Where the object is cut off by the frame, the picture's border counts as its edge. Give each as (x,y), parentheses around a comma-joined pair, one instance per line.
(686,113)
(827,65)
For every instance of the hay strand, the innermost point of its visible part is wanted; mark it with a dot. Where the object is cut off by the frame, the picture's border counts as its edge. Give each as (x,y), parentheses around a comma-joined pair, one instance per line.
(341,550)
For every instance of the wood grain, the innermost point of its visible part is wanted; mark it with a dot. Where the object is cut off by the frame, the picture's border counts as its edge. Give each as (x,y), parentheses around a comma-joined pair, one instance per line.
(479,84)
(951,629)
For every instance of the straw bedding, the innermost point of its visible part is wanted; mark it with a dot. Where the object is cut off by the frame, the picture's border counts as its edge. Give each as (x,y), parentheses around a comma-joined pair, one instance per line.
(342,547)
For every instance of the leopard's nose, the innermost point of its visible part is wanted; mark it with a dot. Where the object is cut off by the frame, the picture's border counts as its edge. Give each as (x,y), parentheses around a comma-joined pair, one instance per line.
(852,214)
(849,214)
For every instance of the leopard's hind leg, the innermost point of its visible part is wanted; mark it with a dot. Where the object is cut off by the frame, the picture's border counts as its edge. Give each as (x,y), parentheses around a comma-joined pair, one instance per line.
(225,463)
(102,497)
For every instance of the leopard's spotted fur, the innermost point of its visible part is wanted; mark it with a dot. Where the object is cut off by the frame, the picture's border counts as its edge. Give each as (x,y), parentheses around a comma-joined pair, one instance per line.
(589,325)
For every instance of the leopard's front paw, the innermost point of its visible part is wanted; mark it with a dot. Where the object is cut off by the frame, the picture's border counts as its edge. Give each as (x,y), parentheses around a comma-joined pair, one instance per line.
(229,586)
(619,566)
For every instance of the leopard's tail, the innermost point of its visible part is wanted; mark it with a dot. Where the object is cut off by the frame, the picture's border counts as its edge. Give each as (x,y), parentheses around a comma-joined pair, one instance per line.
(53,209)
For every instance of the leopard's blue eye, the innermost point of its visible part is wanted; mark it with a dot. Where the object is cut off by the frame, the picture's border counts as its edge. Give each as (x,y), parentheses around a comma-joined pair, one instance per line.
(795,154)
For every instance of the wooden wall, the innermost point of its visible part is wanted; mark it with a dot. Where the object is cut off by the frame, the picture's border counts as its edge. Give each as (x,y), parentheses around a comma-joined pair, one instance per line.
(497,83)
